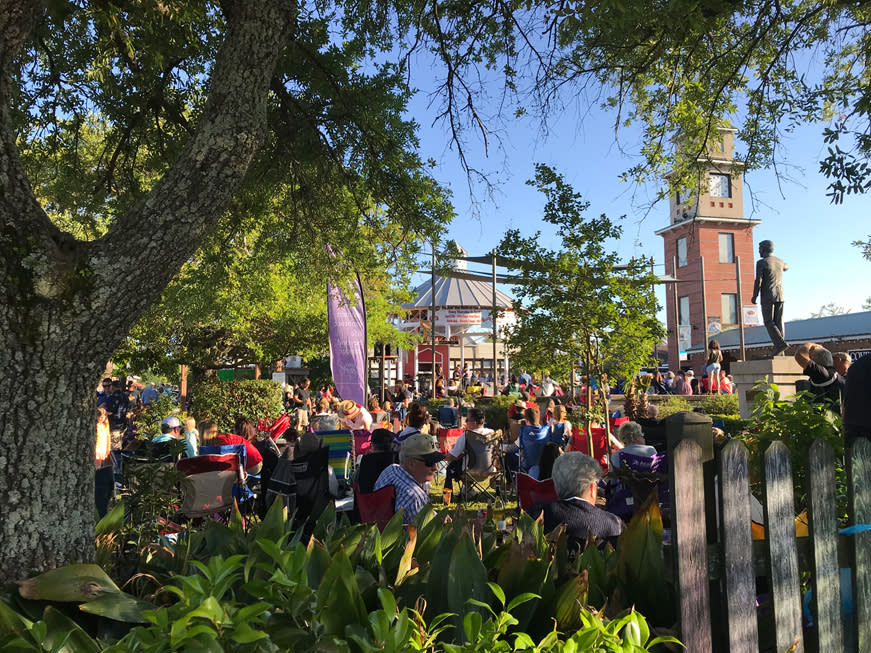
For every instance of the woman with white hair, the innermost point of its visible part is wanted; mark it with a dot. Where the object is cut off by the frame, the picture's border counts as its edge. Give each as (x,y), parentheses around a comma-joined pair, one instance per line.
(631,435)
(576,479)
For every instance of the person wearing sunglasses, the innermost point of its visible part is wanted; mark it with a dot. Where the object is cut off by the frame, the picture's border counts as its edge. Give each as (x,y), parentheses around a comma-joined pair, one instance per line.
(418,458)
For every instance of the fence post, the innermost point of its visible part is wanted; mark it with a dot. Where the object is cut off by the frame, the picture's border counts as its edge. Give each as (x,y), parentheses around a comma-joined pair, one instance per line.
(823,513)
(737,549)
(691,547)
(780,534)
(860,510)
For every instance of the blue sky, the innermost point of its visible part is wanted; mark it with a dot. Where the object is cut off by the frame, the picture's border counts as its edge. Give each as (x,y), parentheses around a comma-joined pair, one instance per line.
(812,235)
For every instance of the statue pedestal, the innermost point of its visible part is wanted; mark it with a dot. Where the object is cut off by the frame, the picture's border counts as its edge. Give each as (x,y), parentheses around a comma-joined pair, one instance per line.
(782,370)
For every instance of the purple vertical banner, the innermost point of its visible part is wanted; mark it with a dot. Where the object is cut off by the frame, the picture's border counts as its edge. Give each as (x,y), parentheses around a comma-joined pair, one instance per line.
(347,321)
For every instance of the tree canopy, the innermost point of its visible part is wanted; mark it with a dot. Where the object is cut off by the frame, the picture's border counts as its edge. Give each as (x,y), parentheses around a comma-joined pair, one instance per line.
(579,303)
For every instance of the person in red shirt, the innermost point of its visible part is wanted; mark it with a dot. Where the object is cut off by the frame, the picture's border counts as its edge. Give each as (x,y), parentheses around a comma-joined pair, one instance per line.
(211,437)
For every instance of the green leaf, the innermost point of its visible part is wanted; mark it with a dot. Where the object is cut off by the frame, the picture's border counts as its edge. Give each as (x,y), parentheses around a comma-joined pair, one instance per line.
(112,521)
(119,607)
(66,636)
(76,583)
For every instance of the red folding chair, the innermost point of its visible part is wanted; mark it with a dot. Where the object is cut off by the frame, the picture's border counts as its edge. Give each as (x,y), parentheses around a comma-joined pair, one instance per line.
(447,438)
(376,507)
(530,491)
(279,426)
(600,444)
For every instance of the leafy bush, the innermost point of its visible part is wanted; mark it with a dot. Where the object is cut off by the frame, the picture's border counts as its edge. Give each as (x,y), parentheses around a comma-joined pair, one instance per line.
(797,424)
(146,423)
(496,411)
(223,401)
(720,404)
(674,404)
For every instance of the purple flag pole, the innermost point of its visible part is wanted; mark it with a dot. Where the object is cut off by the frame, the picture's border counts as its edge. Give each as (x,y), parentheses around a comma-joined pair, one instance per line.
(348,350)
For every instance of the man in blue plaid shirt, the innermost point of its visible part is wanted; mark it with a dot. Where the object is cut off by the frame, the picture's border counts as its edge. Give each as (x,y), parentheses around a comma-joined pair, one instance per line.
(418,458)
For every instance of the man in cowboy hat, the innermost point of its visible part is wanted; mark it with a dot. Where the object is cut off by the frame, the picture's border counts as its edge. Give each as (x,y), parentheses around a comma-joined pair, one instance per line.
(418,458)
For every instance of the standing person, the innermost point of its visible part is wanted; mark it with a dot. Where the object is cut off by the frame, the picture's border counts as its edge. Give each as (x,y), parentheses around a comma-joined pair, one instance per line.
(149,394)
(713,366)
(117,406)
(827,385)
(191,435)
(104,438)
(302,403)
(401,398)
(103,395)
(842,362)
(768,286)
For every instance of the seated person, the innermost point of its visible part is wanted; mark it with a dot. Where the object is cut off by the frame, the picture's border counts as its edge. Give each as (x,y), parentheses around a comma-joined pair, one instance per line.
(549,453)
(576,479)
(170,429)
(417,420)
(353,416)
(418,458)
(474,425)
(826,385)
(533,436)
(631,435)
(379,456)
(448,415)
(324,420)
(211,438)
(380,418)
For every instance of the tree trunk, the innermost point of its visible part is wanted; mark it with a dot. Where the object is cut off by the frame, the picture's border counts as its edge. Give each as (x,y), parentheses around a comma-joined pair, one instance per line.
(67,304)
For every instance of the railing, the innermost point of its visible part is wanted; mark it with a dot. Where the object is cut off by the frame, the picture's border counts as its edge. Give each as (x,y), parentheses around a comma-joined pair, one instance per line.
(723,573)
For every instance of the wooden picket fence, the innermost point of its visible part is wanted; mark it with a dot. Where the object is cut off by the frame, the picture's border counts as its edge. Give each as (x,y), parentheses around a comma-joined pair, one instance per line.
(729,566)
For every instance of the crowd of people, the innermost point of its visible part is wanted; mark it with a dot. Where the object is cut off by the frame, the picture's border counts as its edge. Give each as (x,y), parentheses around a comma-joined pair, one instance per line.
(401,433)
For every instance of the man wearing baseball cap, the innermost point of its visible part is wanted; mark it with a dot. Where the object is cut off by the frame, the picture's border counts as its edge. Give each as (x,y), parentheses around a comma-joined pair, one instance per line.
(170,429)
(418,458)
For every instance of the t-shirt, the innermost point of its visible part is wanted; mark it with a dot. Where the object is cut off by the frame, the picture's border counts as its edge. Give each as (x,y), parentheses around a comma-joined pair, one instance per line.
(252,456)
(301,397)
(117,406)
(410,496)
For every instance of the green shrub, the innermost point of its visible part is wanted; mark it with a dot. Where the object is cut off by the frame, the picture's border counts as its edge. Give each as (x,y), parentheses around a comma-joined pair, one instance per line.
(720,404)
(674,404)
(223,401)
(797,424)
(496,411)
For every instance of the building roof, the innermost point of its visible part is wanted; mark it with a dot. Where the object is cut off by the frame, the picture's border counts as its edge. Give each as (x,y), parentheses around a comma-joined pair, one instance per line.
(458,293)
(852,326)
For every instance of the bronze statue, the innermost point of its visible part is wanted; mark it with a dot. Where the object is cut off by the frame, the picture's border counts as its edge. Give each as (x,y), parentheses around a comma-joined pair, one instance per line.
(768,286)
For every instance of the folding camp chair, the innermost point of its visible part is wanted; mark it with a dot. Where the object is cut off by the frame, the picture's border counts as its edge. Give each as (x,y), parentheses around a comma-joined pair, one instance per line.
(641,475)
(483,464)
(245,492)
(447,438)
(211,485)
(532,441)
(600,444)
(530,491)
(376,507)
(341,452)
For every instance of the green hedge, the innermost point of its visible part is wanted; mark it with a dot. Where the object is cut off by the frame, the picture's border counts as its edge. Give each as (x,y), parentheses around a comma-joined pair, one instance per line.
(223,401)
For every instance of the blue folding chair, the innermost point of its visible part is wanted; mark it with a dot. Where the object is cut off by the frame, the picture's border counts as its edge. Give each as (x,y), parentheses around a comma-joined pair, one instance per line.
(532,441)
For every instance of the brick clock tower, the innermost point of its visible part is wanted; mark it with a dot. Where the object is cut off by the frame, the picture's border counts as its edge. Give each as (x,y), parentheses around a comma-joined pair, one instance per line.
(705,237)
